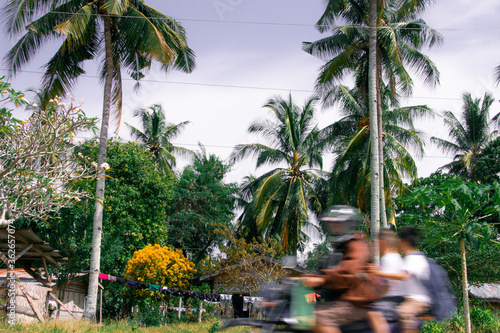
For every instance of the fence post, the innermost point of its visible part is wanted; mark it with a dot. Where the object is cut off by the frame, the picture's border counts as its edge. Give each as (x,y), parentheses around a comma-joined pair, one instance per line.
(180,306)
(201,310)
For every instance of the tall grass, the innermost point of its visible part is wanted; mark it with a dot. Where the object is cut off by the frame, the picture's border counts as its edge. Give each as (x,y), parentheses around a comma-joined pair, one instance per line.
(112,327)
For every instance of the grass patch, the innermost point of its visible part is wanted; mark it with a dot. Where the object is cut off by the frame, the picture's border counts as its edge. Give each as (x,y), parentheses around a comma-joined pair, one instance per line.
(115,326)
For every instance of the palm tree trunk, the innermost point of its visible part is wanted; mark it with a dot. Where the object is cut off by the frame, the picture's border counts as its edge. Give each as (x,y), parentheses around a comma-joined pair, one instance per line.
(95,258)
(374,149)
(465,288)
(383,213)
(295,233)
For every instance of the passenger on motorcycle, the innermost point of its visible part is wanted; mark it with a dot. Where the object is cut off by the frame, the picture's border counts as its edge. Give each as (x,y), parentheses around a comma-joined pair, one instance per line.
(414,270)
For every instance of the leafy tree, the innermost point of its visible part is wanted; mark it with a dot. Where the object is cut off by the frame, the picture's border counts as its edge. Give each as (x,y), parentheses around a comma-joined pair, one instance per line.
(468,136)
(37,165)
(284,196)
(313,261)
(202,205)
(455,212)
(488,166)
(350,179)
(130,34)
(157,134)
(9,96)
(250,265)
(137,196)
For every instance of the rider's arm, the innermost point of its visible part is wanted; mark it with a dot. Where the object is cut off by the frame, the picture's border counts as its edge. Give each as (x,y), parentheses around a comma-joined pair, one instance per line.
(313,281)
(392,276)
(356,255)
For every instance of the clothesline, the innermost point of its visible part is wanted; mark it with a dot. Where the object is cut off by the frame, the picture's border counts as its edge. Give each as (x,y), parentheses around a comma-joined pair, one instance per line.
(209,297)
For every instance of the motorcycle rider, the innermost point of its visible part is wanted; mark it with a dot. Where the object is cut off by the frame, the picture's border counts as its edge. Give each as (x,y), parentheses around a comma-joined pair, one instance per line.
(349,276)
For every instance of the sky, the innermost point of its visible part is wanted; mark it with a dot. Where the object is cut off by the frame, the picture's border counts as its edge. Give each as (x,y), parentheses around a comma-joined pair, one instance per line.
(248,51)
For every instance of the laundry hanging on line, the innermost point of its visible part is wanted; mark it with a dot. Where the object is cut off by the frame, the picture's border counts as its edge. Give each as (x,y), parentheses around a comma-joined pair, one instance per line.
(209,297)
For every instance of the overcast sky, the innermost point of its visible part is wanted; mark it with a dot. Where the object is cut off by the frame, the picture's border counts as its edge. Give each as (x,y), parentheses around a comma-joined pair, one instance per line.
(248,51)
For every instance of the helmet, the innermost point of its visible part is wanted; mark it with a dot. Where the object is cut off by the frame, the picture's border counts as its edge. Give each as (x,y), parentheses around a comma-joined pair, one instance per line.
(340,220)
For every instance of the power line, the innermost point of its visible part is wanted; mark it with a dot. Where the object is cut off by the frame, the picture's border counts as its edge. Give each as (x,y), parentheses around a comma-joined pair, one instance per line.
(201,84)
(168,18)
(232,147)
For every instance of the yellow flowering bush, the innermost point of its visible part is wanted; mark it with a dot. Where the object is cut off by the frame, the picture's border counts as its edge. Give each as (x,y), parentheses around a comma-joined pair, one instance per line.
(160,265)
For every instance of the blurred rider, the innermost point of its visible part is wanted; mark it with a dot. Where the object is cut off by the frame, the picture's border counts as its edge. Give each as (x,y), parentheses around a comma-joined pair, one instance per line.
(348,276)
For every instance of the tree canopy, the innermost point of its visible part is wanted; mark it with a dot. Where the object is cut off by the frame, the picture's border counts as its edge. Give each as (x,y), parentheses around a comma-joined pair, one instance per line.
(202,206)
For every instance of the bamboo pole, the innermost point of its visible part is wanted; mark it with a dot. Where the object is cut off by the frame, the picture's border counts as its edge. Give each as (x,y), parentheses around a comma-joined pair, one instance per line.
(63,306)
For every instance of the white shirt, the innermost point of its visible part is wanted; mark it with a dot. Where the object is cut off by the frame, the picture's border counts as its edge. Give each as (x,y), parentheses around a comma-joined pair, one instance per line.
(418,268)
(392,263)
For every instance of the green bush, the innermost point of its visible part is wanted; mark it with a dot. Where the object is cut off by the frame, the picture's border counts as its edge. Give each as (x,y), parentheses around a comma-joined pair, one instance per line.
(484,320)
(150,314)
(432,327)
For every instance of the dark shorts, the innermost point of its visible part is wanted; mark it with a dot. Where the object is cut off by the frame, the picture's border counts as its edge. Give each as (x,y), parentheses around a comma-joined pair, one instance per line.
(338,313)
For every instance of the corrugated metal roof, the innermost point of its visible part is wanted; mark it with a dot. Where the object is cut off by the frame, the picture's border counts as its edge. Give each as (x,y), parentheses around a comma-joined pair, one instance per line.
(489,291)
(21,273)
(24,237)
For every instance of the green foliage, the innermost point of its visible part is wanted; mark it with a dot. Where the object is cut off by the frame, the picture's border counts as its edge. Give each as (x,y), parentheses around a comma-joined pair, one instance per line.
(202,206)
(446,209)
(483,320)
(215,327)
(9,96)
(488,166)
(134,42)
(346,48)
(455,209)
(350,178)
(314,257)
(135,203)
(151,314)
(247,264)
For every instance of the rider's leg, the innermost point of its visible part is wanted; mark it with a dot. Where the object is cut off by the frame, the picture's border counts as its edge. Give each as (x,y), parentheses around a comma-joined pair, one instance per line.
(325,329)
(408,312)
(378,323)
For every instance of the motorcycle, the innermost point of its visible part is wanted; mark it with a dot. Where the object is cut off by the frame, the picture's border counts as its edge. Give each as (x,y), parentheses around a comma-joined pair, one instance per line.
(278,316)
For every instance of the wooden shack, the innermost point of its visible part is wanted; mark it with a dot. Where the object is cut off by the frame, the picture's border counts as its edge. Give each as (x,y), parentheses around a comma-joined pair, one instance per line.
(37,296)
(488,292)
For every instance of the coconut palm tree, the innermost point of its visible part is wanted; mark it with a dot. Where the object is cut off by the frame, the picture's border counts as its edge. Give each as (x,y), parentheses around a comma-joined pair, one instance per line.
(129,34)
(468,136)
(351,177)
(283,197)
(400,38)
(157,134)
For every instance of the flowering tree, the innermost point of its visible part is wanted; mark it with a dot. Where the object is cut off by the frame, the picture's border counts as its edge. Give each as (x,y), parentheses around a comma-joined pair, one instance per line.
(247,265)
(36,159)
(160,265)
